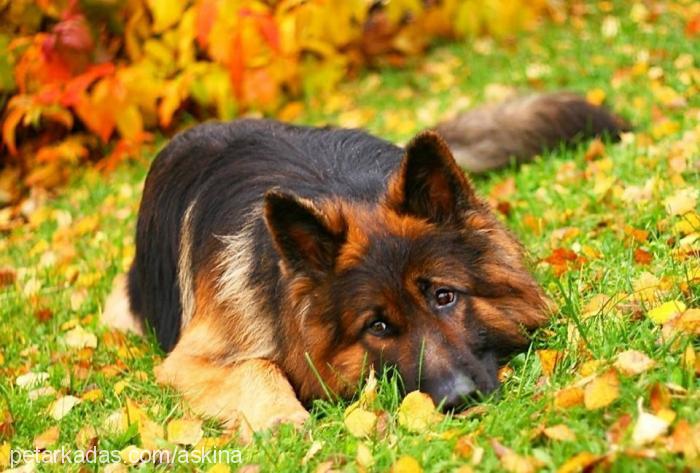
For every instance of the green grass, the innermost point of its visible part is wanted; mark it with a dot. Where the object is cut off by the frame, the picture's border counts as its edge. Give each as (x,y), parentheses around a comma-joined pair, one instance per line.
(77,241)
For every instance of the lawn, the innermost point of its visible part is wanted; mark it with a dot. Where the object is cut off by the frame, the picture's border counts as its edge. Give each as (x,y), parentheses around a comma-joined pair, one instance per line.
(612,232)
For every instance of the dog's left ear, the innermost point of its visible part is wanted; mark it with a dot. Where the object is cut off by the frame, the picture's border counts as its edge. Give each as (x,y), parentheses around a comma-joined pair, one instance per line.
(429,184)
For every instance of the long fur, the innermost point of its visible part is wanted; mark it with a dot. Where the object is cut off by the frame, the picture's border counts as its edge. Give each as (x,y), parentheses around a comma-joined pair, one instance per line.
(273,252)
(489,137)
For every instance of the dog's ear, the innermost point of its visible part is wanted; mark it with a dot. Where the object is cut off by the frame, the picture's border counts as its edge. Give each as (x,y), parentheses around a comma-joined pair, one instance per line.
(429,184)
(301,233)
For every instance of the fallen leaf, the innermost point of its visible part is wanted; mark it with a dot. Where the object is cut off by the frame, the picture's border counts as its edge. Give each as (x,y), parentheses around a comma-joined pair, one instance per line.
(359,421)
(568,397)
(417,412)
(633,362)
(602,391)
(406,464)
(580,462)
(369,392)
(514,463)
(62,406)
(560,432)
(35,394)
(315,447)
(364,457)
(548,360)
(648,428)
(685,439)
(682,201)
(642,256)
(29,380)
(221,468)
(133,455)
(86,437)
(46,438)
(666,311)
(647,287)
(617,431)
(185,431)
(78,337)
(116,423)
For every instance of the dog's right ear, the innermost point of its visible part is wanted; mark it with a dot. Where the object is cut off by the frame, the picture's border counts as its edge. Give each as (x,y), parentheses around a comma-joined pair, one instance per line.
(302,235)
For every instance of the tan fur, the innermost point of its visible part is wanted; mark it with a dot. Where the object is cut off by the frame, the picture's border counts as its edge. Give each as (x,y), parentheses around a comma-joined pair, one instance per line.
(184,267)
(225,377)
(249,334)
(117,313)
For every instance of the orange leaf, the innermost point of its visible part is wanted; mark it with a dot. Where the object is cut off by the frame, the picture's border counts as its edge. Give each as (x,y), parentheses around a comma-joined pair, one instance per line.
(549,360)
(568,397)
(602,391)
(642,256)
(206,15)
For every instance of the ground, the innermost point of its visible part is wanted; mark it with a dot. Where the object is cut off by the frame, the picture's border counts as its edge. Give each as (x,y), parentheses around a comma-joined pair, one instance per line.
(612,231)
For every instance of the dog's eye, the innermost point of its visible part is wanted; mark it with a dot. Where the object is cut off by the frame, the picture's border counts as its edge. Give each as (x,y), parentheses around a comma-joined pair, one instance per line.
(378,328)
(445,297)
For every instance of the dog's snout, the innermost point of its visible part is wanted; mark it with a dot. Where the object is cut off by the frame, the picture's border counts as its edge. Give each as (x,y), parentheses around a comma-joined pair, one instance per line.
(451,391)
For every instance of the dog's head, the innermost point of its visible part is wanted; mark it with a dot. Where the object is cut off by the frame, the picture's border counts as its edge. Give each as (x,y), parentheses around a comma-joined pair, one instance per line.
(427,282)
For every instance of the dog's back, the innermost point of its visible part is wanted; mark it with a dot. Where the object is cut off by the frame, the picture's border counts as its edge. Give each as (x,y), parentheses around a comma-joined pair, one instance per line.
(207,186)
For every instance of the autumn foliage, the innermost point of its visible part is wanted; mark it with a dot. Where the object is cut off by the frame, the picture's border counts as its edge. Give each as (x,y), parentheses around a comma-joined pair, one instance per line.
(85,80)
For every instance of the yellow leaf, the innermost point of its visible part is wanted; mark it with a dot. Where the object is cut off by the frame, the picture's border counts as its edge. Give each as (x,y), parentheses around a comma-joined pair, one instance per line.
(568,397)
(406,464)
(152,435)
(364,456)
(579,462)
(132,455)
(369,392)
(119,387)
(602,391)
(417,412)
(129,122)
(682,201)
(185,431)
(165,13)
(647,287)
(359,421)
(549,360)
(86,437)
(514,463)
(46,438)
(666,311)
(595,96)
(560,432)
(221,468)
(689,223)
(116,423)
(92,395)
(5,451)
(633,362)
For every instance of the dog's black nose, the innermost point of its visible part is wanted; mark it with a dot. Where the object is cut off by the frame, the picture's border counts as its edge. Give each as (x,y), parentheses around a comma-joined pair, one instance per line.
(451,391)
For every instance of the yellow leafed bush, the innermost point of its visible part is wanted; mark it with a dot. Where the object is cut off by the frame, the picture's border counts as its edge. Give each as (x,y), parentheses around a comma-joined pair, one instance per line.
(94,72)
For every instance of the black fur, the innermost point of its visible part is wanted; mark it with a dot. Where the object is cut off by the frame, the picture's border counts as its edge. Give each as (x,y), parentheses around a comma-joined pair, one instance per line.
(228,167)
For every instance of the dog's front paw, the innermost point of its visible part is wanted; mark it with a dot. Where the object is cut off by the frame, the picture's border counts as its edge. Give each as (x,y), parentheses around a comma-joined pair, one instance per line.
(295,416)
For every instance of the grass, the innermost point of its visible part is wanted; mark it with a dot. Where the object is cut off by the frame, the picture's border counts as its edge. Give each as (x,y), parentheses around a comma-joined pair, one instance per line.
(74,244)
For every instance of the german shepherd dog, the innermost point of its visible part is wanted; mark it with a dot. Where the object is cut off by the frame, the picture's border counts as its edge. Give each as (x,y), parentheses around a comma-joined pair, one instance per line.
(276,263)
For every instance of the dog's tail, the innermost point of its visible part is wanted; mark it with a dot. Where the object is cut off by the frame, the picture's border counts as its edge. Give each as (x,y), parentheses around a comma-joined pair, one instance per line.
(490,136)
